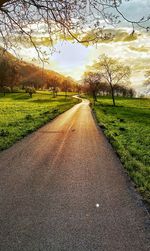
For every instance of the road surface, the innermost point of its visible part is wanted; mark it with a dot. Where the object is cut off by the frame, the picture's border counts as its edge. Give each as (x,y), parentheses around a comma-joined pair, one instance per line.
(63,188)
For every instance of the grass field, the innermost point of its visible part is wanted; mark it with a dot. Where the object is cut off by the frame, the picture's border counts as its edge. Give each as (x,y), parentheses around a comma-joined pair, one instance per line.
(128,128)
(21,115)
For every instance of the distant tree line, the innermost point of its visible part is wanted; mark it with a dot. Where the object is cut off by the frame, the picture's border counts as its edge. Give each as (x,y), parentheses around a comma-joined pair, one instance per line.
(17,75)
(108,76)
(103,89)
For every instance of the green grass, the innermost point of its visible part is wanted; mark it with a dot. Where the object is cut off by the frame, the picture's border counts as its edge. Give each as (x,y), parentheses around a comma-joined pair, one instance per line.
(128,128)
(21,115)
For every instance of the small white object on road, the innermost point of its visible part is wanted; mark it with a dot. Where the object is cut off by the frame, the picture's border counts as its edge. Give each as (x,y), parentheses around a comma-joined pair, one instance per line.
(97,205)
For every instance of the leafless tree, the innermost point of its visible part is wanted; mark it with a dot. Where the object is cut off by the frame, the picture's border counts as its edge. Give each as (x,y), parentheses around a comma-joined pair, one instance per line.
(124,91)
(21,20)
(93,82)
(66,85)
(113,72)
(53,83)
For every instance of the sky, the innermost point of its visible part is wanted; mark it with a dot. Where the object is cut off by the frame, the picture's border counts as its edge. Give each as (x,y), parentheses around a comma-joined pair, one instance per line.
(72,58)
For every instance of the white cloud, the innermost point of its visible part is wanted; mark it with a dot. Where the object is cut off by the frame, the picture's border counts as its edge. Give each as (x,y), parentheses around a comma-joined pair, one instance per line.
(72,58)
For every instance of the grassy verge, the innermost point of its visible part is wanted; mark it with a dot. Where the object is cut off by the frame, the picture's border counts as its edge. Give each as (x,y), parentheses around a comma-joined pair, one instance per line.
(127,127)
(21,115)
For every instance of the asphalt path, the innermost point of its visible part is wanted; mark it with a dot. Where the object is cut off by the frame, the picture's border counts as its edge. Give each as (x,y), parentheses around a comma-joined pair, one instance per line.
(63,188)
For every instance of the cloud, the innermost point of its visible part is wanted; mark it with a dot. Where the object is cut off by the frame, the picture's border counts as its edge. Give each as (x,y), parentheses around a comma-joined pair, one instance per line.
(122,35)
(133,53)
(142,48)
(110,35)
(71,58)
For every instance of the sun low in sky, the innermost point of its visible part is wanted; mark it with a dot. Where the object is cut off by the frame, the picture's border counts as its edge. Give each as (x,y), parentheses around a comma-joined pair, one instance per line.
(72,58)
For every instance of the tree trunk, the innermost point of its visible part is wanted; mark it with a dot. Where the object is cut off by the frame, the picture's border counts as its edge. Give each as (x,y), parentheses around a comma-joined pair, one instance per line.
(112,94)
(54,94)
(11,89)
(65,94)
(94,97)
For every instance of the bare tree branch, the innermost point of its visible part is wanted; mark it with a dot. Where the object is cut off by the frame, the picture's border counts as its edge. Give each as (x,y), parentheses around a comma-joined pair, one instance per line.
(23,19)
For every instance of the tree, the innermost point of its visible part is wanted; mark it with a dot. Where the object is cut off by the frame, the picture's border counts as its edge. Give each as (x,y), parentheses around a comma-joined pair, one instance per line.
(78,88)
(93,82)
(5,89)
(30,90)
(131,92)
(19,19)
(13,76)
(4,72)
(113,72)
(53,83)
(8,72)
(66,85)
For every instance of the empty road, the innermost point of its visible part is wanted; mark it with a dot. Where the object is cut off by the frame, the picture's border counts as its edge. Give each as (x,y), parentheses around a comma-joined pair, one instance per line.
(63,188)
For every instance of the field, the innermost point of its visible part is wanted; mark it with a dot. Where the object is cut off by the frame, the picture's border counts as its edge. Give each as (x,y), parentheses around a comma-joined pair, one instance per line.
(127,127)
(21,115)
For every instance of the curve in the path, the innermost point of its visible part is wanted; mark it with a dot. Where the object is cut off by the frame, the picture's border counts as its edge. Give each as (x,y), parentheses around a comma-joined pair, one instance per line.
(63,188)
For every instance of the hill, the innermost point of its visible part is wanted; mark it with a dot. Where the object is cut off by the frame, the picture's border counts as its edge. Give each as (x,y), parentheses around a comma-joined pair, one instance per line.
(15,72)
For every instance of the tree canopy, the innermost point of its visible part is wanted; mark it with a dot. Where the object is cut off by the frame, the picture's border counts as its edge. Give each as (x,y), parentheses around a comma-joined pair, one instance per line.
(17,73)
(110,71)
